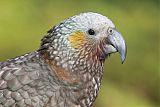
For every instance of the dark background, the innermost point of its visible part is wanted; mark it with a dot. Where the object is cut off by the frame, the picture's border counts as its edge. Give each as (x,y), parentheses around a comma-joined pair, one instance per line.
(133,84)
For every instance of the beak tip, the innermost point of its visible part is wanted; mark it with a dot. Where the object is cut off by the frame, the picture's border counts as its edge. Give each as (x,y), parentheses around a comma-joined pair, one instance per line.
(123,54)
(122,59)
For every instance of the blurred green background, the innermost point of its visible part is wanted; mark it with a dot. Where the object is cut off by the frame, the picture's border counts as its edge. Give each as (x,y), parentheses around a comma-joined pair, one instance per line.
(133,84)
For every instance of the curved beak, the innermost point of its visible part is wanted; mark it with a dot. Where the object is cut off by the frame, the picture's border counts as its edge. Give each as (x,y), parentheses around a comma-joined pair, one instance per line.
(117,44)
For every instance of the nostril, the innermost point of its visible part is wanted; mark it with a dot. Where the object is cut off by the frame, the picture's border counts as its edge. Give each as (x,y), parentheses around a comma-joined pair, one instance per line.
(110,30)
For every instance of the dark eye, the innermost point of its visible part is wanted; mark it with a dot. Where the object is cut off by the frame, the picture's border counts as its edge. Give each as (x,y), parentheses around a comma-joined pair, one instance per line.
(91,32)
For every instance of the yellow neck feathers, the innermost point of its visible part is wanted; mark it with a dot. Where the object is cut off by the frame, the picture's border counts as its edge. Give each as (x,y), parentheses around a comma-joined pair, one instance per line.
(77,39)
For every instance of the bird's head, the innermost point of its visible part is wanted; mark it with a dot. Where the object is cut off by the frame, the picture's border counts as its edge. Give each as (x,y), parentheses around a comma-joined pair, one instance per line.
(87,34)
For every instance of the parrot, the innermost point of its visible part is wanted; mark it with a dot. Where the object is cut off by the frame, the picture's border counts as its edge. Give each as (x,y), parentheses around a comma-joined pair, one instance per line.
(67,69)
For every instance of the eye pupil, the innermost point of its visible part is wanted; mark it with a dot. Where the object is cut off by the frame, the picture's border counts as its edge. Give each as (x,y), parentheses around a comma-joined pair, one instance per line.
(91,32)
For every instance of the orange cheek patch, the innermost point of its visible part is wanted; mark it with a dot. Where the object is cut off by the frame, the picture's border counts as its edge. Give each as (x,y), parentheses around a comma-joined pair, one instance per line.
(77,39)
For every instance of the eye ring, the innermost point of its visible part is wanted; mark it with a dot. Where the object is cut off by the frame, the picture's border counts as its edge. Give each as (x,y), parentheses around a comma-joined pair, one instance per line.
(91,32)
(110,30)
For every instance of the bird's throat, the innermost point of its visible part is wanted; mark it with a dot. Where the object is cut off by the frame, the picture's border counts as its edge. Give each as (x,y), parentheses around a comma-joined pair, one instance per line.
(85,77)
